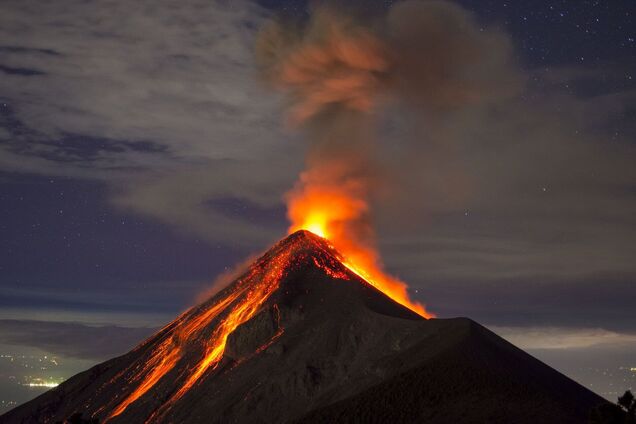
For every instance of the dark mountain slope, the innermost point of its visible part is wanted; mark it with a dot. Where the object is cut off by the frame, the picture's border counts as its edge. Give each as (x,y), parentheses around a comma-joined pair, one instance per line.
(479,379)
(299,337)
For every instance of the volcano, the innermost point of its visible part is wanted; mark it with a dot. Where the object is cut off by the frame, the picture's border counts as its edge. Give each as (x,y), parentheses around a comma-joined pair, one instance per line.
(300,338)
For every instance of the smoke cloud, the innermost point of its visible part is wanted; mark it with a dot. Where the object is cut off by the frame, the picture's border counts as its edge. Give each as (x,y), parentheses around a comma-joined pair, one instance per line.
(340,73)
(224,279)
(432,54)
(330,63)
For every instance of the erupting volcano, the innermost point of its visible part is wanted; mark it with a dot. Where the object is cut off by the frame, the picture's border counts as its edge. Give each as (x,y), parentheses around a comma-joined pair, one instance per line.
(323,212)
(315,330)
(301,337)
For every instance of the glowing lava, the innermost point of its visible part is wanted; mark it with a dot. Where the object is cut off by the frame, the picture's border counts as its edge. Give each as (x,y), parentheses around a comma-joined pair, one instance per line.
(240,313)
(334,212)
(166,356)
(206,328)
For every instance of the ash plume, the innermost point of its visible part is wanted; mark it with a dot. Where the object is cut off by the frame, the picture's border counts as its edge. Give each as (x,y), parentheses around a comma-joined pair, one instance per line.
(433,54)
(339,71)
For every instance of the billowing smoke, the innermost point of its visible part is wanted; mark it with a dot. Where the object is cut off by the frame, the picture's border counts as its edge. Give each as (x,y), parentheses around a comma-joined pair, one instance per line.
(339,72)
(430,53)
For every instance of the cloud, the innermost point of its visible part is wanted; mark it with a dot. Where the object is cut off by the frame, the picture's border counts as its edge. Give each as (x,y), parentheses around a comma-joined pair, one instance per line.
(184,198)
(159,101)
(527,188)
(137,72)
(563,338)
(72,339)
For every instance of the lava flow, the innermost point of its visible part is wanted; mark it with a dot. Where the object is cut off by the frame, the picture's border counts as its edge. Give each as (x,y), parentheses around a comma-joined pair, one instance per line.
(206,328)
(166,356)
(241,312)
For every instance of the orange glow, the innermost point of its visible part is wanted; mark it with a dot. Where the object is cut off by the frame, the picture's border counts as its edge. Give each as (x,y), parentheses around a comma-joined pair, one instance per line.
(330,211)
(162,362)
(164,358)
(245,302)
(241,313)
(206,329)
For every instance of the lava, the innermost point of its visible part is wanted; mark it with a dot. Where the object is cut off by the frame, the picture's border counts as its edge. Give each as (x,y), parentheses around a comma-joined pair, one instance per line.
(330,211)
(166,356)
(239,314)
(242,301)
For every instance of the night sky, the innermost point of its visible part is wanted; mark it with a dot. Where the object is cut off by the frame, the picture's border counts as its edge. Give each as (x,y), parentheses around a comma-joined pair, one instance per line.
(141,156)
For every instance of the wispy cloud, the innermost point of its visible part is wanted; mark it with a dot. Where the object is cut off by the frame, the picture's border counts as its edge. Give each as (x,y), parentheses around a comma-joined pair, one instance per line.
(564,338)
(161,101)
(72,339)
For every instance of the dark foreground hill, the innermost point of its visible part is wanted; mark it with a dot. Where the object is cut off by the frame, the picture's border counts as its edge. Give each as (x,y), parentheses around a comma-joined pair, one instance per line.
(300,338)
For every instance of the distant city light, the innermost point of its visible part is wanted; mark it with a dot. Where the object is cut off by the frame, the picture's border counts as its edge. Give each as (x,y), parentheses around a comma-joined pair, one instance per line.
(43,384)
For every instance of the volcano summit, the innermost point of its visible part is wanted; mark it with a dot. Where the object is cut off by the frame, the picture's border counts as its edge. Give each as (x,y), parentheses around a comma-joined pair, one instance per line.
(301,338)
